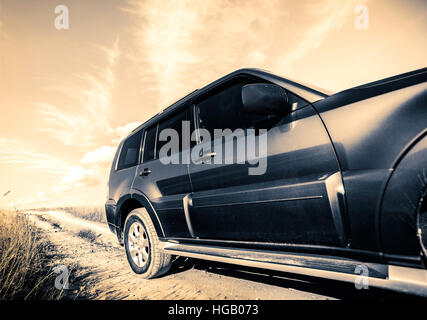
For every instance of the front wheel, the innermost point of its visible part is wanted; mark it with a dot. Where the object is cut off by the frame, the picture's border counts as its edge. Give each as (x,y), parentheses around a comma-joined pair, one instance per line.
(143,246)
(422,224)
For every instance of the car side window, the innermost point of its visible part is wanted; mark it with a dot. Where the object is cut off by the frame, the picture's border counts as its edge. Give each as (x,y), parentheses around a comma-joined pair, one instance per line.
(174,122)
(129,154)
(150,143)
(224,110)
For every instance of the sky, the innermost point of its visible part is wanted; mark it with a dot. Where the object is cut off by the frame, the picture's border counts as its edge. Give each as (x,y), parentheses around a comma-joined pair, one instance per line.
(68,96)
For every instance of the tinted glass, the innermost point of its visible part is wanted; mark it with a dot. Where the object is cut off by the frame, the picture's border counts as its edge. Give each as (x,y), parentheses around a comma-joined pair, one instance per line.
(149,145)
(225,110)
(130,152)
(175,122)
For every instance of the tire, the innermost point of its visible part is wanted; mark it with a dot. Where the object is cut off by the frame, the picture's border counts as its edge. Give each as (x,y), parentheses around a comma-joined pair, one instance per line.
(143,246)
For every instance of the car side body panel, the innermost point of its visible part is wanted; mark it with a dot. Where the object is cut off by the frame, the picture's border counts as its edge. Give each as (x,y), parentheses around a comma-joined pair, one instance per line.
(400,202)
(369,135)
(375,132)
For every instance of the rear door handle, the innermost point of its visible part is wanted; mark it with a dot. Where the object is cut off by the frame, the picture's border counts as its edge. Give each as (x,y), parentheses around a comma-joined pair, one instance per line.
(145,172)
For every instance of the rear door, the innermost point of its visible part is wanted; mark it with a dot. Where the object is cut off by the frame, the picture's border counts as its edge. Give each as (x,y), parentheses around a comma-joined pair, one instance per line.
(122,174)
(291,194)
(165,184)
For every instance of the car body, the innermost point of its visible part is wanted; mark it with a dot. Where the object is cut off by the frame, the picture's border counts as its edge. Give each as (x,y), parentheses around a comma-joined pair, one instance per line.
(342,194)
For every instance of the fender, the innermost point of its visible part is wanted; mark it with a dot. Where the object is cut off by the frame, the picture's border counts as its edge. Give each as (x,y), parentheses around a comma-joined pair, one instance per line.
(119,204)
(143,199)
(368,137)
(399,206)
(116,224)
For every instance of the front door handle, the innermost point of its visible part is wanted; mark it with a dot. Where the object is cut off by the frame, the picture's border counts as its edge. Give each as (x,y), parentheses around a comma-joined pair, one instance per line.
(206,156)
(145,172)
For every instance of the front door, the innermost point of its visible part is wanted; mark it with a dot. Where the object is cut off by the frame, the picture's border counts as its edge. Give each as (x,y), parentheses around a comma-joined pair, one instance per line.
(289,196)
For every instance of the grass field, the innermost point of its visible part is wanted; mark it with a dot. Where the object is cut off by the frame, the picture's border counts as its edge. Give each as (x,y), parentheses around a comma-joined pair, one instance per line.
(24,265)
(96,214)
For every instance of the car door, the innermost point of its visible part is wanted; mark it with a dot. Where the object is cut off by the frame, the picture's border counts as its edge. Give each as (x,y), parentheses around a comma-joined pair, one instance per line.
(123,171)
(296,195)
(165,184)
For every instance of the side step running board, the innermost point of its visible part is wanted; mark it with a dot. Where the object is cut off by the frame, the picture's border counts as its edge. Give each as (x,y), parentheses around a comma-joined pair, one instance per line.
(397,278)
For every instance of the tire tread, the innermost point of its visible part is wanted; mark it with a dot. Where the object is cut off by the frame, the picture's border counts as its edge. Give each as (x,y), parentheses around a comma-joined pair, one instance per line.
(160,262)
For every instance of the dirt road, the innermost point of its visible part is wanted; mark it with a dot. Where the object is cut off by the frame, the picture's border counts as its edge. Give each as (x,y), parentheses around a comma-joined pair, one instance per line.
(99,270)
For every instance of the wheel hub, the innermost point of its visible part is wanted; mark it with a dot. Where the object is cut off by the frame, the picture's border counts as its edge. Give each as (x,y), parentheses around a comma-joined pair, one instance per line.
(138,244)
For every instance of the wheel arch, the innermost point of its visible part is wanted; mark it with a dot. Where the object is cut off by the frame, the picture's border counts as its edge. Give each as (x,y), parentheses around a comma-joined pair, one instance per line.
(401,198)
(133,201)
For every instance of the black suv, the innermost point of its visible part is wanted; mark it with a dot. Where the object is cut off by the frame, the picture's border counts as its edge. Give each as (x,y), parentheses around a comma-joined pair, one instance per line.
(261,171)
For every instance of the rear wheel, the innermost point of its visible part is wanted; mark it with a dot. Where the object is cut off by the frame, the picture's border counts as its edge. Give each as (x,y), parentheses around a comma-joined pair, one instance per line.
(143,246)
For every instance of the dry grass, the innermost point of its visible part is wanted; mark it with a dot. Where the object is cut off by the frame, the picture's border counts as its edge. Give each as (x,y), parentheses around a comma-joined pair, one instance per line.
(96,214)
(24,270)
(88,235)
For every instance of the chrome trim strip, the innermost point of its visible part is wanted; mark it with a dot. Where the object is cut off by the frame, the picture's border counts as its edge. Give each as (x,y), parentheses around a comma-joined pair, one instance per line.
(402,279)
(286,245)
(259,201)
(171,208)
(335,189)
(186,203)
(407,275)
(307,260)
(261,189)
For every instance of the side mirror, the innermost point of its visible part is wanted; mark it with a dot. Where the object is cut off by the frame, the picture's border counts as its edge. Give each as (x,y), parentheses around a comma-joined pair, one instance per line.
(264,99)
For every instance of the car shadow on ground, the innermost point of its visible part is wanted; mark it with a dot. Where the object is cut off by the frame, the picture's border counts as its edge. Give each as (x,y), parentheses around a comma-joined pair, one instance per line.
(330,288)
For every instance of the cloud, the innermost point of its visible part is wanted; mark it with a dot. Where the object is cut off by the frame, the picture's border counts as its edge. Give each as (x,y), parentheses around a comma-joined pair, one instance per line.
(93,168)
(14,152)
(193,42)
(121,132)
(4,36)
(41,195)
(91,104)
(79,177)
(77,174)
(327,16)
(103,154)
(87,125)
(93,171)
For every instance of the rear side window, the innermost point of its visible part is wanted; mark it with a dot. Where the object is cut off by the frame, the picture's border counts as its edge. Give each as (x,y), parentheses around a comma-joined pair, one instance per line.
(130,152)
(175,123)
(150,140)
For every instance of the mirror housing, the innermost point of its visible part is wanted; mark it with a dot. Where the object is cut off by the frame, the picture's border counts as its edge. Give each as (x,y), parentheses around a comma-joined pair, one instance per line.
(265,99)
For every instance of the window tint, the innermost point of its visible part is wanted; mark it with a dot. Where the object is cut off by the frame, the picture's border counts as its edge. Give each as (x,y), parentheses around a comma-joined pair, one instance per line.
(130,152)
(149,144)
(225,110)
(175,123)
